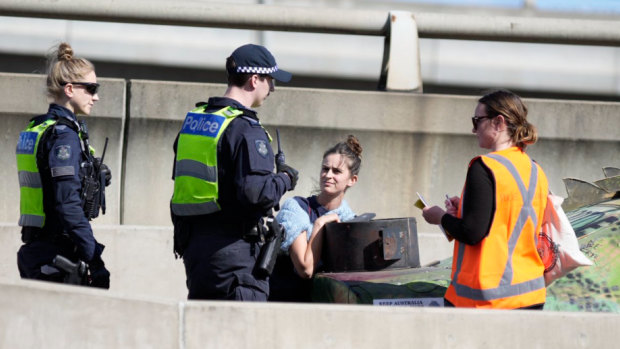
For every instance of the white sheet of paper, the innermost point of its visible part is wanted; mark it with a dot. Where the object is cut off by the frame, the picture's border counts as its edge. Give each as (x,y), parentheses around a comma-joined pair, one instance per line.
(422,199)
(440,227)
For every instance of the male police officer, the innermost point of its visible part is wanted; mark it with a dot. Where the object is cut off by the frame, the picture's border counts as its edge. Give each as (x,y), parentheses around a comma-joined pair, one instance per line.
(224,183)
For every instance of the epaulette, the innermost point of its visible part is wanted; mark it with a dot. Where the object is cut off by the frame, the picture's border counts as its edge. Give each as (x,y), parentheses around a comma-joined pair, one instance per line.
(252,121)
(66,122)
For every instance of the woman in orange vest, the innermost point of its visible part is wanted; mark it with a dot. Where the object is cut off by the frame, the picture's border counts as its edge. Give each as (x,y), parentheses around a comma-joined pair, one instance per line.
(496,219)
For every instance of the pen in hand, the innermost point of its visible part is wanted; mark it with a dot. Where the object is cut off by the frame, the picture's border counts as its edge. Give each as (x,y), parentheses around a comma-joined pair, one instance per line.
(450,208)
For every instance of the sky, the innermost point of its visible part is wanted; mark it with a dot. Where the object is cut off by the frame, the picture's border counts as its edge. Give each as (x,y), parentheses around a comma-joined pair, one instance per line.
(582,6)
(587,6)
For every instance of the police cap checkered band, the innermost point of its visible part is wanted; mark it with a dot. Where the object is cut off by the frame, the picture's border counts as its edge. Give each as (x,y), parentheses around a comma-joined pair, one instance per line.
(256,70)
(256,59)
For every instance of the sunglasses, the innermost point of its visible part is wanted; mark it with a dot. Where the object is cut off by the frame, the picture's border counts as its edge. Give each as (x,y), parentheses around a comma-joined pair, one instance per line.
(476,119)
(90,87)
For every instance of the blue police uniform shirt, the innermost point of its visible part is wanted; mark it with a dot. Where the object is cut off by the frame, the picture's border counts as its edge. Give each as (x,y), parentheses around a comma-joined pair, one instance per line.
(59,160)
(248,187)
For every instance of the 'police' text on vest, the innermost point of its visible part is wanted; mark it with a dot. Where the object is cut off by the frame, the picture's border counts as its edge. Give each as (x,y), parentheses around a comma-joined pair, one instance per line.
(207,125)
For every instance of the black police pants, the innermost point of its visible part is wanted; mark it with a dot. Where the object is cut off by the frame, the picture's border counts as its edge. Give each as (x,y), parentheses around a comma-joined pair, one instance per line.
(222,267)
(34,255)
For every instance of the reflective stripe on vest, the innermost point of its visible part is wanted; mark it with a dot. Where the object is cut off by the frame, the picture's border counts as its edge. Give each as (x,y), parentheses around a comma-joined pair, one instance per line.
(196,169)
(505,288)
(29,179)
(195,175)
(30,186)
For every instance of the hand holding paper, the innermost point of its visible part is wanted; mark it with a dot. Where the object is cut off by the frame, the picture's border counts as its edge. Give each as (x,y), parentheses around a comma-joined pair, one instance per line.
(420,203)
(431,214)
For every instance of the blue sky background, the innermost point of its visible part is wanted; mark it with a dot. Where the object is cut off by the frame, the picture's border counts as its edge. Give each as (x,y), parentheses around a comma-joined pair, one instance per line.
(583,6)
(596,6)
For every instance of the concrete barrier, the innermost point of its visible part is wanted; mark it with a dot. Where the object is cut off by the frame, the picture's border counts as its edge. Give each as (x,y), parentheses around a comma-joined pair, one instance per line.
(58,316)
(354,326)
(45,315)
(24,97)
(141,261)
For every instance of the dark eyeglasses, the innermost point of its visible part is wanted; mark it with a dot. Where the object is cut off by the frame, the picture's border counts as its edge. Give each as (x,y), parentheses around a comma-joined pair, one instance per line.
(476,119)
(90,87)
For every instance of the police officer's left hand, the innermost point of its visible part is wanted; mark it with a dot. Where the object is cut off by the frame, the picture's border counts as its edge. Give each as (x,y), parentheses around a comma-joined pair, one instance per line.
(100,278)
(291,172)
(105,170)
(99,275)
(108,174)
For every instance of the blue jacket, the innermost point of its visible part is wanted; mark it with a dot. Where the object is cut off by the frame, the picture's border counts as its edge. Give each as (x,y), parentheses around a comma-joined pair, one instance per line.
(59,157)
(298,215)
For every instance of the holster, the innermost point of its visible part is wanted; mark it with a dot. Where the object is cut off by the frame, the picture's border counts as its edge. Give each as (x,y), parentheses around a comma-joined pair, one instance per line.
(270,249)
(75,273)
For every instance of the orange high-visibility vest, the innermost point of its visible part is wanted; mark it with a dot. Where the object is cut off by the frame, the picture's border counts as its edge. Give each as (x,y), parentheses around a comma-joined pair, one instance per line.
(504,270)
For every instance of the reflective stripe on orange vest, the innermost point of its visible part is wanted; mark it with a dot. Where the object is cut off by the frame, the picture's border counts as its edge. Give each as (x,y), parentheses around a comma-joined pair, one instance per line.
(507,293)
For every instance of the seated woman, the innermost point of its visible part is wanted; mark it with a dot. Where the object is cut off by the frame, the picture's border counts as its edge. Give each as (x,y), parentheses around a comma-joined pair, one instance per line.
(304,220)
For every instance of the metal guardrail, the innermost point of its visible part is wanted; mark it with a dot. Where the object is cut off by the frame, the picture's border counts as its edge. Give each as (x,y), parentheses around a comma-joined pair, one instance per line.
(519,29)
(321,20)
(205,14)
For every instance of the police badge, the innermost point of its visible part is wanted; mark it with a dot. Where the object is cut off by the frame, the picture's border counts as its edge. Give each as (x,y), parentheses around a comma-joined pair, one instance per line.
(63,152)
(261,147)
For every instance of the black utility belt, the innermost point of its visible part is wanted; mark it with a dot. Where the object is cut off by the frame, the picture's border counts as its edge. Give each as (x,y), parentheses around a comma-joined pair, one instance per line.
(31,234)
(247,232)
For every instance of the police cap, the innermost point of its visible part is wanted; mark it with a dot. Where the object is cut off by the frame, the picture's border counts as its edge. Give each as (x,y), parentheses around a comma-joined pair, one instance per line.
(256,59)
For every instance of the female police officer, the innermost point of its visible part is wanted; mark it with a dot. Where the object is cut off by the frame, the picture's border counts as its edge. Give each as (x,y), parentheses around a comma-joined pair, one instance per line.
(224,182)
(52,159)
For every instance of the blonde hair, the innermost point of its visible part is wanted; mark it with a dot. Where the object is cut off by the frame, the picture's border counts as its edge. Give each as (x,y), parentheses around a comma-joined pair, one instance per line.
(63,68)
(514,111)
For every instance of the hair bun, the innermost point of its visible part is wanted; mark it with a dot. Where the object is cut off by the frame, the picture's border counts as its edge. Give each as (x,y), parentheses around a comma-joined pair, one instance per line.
(65,52)
(354,145)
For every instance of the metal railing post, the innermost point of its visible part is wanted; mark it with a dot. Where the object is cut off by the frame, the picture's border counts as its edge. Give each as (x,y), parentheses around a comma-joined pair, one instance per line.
(400,70)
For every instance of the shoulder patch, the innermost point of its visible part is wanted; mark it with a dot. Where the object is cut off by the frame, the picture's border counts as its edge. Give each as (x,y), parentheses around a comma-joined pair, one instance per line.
(261,147)
(62,152)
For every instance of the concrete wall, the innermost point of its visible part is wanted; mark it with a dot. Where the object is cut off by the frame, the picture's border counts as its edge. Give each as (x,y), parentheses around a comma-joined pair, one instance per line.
(44,315)
(141,261)
(59,316)
(412,142)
